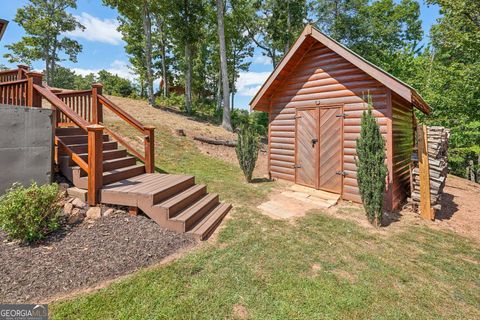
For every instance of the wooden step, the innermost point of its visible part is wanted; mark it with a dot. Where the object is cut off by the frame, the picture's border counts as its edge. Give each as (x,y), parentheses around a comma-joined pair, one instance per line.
(166,188)
(78,139)
(108,154)
(112,164)
(123,173)
(114,175)
(65,131)
(209,223)
(83,147)
(191,215)
(180,201)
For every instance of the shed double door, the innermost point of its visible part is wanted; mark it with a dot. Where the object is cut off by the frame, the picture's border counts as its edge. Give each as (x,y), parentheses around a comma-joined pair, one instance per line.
(319,144)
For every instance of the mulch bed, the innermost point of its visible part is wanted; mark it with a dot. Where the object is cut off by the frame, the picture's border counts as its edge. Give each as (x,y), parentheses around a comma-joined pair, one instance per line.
(82,256)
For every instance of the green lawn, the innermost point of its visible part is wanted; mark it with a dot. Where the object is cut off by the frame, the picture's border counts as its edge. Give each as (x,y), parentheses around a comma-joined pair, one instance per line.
(319,267)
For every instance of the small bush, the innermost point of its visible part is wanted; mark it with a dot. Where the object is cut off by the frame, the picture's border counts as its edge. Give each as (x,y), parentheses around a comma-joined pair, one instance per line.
(247,150)
(28,214)
(371,168)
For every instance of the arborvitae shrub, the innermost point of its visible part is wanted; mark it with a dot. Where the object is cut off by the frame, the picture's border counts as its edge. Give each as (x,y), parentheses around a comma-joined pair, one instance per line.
(247,149)
(371,168)
(28,214)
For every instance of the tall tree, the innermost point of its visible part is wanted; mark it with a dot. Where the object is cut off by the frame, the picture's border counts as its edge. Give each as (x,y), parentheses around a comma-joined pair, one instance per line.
(186,18)
(139,12)
(226,120)
(45,23)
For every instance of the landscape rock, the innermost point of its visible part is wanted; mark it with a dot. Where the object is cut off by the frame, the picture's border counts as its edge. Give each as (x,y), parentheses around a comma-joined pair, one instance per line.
(119,212)
(94,213)
(67,208)
(108,212)
(79,203)
(76,216)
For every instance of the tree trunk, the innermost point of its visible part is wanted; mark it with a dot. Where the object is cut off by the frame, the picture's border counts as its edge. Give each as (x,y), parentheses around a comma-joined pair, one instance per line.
(287,43)
(163,56)
(147,29)
(226,120)
(219,91)
(188,77)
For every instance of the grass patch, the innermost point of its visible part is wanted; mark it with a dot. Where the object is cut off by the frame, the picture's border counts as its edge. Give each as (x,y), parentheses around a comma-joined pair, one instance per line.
(320,267)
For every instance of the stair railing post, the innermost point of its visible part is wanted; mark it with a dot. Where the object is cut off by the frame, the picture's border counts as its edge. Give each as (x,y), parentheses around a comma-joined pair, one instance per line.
(34,99)
(97,110)
(149,142)
(95,163)
(22,69)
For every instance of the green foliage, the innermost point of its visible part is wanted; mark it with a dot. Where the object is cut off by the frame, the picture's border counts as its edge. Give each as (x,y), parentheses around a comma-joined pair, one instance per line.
(28,214)
(371,168)
(256,121)
(115,85)
(247,150)
(45,24)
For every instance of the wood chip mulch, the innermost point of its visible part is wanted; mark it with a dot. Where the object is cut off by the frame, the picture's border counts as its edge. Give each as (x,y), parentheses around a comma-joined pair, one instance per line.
(83,255)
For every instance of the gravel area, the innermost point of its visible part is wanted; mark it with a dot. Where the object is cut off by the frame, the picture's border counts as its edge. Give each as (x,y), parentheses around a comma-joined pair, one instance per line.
(83,255)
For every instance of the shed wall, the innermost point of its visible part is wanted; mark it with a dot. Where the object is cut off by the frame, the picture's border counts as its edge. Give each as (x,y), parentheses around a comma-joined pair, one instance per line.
(321,78)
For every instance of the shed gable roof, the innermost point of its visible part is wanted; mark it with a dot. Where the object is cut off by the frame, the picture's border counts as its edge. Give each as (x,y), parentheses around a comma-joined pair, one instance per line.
(311,35)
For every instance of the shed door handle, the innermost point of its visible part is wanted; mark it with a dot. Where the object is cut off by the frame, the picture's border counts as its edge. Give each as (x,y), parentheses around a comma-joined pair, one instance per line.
(315,140)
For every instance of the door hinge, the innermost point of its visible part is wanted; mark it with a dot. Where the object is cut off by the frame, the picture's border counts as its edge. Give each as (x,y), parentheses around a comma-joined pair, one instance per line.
(296,166)
(342,115)
(343,173)
(298,117)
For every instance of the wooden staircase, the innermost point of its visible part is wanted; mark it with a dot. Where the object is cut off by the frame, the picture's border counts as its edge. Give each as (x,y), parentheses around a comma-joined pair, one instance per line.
(95,158)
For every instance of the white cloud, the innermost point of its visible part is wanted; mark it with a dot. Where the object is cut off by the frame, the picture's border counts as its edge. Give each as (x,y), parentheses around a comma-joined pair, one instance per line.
(118,67)
(262,60)
(248,83)
(97,29)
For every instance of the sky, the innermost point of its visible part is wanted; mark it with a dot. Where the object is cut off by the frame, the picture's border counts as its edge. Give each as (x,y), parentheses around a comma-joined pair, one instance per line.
(103,47)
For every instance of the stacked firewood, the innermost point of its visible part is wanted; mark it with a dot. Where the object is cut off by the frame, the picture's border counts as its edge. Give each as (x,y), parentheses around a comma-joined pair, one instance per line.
(437,139)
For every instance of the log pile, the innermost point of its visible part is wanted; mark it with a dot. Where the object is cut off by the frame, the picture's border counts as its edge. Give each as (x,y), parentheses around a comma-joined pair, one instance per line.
(437,139)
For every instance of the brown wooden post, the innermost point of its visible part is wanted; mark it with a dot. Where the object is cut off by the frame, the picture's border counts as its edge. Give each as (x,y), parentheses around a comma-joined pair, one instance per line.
(149,141)
(97,110)
(21,68)
(34,99)
(95,163)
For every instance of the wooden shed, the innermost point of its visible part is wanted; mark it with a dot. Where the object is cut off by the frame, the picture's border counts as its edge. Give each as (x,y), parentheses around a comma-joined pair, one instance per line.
(315,98)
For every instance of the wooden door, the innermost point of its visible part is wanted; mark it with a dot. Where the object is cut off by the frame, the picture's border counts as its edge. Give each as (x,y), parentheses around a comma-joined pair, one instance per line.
(306,172)
(331,149)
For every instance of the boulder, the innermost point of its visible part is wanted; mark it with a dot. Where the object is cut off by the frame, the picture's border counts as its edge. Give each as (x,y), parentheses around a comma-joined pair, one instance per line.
(94,213)
(79,203)
(108,212)
(67,208)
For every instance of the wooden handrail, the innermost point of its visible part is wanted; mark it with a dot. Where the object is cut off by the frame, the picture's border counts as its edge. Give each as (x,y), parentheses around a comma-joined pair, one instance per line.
(124,143)
(147,131)
(121,113)
(13,82)
(71,92)
(9,71)
(75,157)
(60,105)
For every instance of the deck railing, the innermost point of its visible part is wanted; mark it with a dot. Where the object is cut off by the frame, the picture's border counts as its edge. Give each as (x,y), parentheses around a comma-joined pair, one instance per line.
(15,74)
(78,101)
(14,92)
